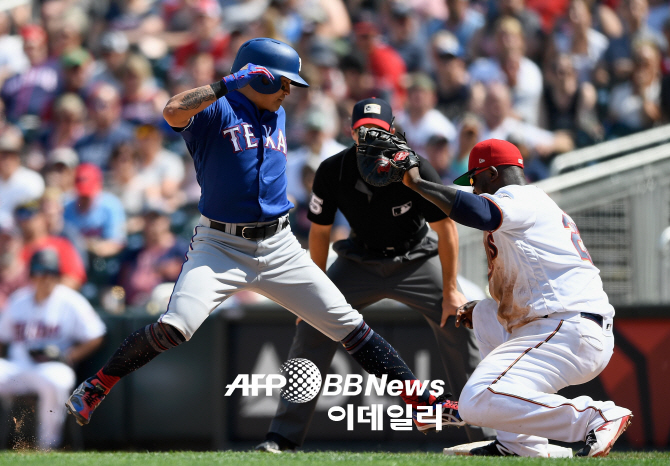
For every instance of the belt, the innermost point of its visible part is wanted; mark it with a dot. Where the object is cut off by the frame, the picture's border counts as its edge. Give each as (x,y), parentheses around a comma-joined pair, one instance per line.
(251,232)
(399,249)
(598,319)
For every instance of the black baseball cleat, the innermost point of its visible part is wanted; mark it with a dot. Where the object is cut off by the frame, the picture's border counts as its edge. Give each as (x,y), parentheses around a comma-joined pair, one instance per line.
(85,398)
(494,448)
(599,441)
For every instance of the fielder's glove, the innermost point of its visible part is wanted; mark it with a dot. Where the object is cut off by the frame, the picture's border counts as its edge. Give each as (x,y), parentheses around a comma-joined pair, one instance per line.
(383,158)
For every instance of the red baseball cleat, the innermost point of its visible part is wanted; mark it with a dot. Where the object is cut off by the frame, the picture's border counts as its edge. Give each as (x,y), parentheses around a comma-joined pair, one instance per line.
(599,441)
(85,398)
(426,422)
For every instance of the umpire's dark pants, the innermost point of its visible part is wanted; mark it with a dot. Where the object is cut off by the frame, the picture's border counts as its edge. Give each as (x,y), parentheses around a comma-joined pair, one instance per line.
(414,280)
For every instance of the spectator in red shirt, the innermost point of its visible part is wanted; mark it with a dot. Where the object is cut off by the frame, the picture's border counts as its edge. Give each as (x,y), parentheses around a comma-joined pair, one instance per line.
(33,226)
(207,36)
(385,64)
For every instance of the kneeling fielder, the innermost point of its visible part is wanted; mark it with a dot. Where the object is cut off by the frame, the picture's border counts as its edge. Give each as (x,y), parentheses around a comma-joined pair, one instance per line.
(549,324)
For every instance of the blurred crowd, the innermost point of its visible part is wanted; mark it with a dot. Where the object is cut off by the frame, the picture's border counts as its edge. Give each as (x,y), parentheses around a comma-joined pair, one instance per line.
(89,167)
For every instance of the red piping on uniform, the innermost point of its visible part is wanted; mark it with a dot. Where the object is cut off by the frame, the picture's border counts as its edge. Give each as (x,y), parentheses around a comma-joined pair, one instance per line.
(547,406)
(526,352)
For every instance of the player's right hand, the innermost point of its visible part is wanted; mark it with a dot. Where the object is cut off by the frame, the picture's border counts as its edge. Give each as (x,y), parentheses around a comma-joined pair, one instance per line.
(464,314)
(248,73)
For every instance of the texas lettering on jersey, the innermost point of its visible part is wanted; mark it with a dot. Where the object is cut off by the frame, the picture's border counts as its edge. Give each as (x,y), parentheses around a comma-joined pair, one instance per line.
(242,137)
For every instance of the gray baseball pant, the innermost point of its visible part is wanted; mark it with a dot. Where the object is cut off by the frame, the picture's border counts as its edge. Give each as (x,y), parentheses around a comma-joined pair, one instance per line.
(416,283)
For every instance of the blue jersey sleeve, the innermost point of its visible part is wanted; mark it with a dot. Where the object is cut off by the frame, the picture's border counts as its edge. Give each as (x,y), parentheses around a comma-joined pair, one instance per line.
(218,114)
(476,212)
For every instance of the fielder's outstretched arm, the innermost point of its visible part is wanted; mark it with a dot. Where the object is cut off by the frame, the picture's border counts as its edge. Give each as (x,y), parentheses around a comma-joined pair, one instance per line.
(465,208)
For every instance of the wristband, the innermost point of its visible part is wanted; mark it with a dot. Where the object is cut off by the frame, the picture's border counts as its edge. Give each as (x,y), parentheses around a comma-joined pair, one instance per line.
(219,89)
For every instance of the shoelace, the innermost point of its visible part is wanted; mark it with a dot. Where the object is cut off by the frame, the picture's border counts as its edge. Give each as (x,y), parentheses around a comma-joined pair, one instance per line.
(590,438)
(453,405)
(93,395)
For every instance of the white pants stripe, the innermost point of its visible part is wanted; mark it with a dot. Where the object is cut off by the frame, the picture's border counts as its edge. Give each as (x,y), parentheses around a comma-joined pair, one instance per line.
(513,390)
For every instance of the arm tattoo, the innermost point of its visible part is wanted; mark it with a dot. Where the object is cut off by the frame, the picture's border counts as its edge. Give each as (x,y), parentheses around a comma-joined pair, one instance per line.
(194,99)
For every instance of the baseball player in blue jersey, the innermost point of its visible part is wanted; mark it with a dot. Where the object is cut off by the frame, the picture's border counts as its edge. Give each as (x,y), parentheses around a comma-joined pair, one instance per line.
(234,130)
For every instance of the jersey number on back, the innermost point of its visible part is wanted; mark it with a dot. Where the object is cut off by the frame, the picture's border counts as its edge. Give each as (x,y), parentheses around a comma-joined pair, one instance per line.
(576,239)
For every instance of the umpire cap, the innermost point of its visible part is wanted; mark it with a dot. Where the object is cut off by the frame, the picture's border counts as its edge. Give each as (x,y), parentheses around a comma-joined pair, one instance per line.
(372,111)
(45,261)
(279,58)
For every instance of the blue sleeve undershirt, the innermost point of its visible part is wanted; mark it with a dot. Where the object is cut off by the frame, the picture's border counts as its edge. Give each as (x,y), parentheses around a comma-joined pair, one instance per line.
(475,212)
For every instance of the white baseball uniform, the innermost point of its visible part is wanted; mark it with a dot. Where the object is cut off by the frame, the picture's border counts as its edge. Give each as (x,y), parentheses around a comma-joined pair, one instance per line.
(533,335)
(63,319)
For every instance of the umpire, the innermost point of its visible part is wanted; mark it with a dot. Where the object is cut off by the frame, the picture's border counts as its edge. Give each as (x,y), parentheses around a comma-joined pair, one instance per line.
(390,253)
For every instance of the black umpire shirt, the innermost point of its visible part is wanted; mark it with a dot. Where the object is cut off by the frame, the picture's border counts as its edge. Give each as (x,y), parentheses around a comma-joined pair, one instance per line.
(380,217)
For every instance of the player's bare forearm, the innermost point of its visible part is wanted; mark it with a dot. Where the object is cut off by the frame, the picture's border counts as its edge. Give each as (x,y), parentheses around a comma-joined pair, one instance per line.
(319,243)
(440,195)
(447,247)
(181,107)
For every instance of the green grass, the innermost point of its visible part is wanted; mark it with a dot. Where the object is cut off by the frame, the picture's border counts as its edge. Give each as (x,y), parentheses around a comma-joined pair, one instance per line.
(181,458)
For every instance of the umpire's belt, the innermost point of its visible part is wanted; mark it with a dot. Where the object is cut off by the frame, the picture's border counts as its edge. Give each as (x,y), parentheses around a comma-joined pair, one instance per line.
(251,231)
(397,249)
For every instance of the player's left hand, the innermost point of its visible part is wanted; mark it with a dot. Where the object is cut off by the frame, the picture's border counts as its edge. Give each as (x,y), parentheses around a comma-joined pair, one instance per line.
(451,301)
(248,73)
(464,314)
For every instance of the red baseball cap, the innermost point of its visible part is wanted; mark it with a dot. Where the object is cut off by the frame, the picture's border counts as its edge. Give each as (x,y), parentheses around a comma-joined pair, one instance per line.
(490,153)
(88,180)
(33,32)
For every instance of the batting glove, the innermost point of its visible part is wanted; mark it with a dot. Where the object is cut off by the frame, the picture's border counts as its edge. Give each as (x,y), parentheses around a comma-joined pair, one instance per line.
(244,76)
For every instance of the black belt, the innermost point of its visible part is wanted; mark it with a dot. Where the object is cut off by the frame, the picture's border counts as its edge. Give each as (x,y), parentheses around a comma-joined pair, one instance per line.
(396,250)
(598,319)
(251,232)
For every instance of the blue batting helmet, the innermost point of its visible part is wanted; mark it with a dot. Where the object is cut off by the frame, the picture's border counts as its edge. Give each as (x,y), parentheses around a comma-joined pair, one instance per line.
(279,58)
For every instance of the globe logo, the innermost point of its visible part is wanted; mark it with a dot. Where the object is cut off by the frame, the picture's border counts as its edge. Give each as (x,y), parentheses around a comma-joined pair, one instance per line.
(303,380)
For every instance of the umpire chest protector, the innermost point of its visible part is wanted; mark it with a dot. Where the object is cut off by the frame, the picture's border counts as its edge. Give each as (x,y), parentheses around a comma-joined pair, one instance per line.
(386,217)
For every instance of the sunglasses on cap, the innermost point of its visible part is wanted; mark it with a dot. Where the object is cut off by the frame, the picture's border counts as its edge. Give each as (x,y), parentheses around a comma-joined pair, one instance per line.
(469,176)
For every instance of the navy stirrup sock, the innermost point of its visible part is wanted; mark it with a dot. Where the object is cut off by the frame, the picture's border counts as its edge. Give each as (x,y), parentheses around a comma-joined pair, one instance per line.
(377,357)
